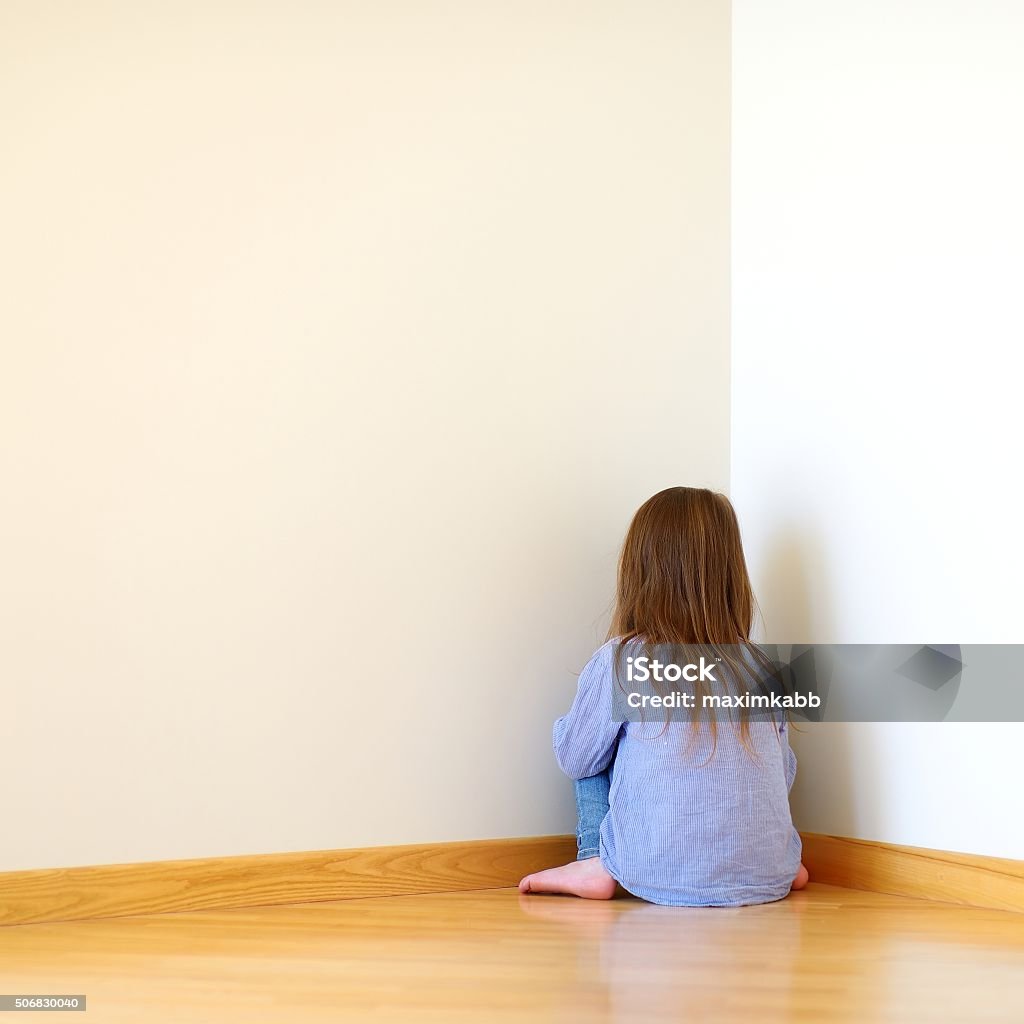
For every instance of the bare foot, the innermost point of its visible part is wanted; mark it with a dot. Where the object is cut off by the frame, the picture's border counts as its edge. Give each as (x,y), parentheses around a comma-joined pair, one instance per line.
(586,878)
(802,878)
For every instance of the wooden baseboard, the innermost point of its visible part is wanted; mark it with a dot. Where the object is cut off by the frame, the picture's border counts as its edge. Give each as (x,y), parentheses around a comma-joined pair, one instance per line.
(125,890)
(965,878)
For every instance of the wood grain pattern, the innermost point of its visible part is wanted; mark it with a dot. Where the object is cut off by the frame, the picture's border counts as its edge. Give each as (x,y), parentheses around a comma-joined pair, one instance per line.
(125,890)
(122,890)
(821,956)
(963,878)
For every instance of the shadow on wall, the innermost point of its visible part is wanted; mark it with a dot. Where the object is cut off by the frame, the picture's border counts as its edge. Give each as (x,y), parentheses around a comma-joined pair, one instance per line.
(794,591)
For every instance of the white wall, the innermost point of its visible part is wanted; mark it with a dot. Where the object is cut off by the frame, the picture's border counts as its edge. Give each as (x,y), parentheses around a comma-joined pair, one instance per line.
(320,327)
(876,428)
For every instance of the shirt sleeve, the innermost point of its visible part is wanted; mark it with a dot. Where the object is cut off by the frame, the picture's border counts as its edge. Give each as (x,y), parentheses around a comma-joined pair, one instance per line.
(790,757)
(585,739)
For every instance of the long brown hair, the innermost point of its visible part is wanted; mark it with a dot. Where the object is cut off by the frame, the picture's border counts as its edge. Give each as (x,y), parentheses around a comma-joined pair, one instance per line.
(682,575)
(683,579)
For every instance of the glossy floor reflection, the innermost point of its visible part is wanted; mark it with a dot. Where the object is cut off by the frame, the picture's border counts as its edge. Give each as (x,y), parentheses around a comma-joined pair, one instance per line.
(823,955)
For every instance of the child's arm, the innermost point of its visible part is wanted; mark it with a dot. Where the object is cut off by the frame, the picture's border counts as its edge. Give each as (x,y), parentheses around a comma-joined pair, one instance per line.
(585,738)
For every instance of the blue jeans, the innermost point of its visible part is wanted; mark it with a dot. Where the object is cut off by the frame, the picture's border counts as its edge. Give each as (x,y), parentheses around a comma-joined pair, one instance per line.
(591,807)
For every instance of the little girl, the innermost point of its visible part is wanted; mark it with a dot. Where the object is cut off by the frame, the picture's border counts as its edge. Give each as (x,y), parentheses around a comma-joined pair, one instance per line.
(683,813)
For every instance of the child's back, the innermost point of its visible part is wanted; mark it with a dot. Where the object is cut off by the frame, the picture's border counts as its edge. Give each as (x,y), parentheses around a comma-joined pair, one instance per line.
(693,820)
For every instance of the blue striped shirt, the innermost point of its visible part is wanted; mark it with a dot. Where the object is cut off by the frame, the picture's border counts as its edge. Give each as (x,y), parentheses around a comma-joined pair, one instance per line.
(681,829)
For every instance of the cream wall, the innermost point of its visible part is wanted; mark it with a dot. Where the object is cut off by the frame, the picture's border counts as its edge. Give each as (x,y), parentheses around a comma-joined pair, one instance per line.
(876,424)
(321,325)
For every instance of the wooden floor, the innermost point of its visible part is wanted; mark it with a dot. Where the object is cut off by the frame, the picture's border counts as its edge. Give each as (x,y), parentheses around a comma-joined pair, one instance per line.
(823,955)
